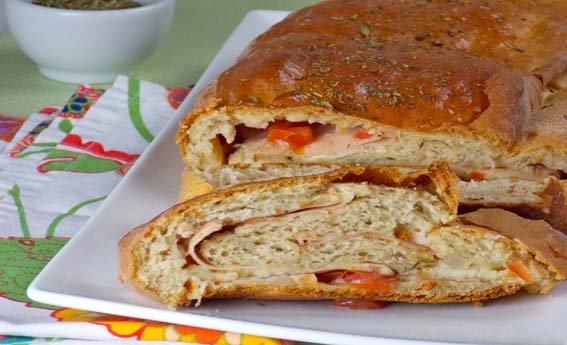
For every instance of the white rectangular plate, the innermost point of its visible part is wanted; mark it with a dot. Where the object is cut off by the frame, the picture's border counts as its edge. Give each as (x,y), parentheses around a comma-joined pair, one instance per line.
(83,275)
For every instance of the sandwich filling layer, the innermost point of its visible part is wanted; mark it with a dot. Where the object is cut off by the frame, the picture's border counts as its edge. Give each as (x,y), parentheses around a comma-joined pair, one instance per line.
(241,138)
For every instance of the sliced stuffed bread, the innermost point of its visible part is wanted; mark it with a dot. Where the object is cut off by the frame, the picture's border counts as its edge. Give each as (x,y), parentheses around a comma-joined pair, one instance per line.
(373,233)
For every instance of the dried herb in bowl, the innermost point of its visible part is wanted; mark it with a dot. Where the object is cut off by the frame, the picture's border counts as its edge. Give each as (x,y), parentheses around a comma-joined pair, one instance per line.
(88,4)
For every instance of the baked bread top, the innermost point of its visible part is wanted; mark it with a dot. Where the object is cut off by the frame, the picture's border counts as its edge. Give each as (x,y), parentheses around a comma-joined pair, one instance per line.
(451,65)
(522,34)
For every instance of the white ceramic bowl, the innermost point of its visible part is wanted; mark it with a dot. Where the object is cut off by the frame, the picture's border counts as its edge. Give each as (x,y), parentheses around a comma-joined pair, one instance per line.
(79,46)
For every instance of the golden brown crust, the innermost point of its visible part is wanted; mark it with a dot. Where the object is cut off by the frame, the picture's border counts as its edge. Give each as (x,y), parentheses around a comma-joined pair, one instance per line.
(547,244)
(446,64)
(439,89)
(320,291)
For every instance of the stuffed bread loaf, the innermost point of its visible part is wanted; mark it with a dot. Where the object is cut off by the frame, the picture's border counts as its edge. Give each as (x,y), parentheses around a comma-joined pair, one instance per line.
(357,232)
(476,84)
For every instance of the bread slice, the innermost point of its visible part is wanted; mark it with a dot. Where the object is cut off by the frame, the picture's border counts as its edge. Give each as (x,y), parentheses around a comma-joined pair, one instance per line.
(356,232)
(534,199)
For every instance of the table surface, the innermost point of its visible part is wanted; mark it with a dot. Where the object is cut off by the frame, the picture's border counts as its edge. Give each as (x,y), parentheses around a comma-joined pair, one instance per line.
(199,29)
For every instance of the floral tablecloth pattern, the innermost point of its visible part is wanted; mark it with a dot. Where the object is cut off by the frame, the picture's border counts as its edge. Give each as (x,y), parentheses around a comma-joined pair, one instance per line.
(56,167)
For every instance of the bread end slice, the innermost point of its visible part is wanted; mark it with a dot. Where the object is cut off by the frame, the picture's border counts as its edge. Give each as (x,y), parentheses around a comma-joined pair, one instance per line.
(358,232)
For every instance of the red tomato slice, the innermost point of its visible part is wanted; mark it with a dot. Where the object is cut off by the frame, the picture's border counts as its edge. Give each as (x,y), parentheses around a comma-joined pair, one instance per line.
(297,136)
(477,175)
(369,280)
(362,134)
(330,277)
(358,304)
